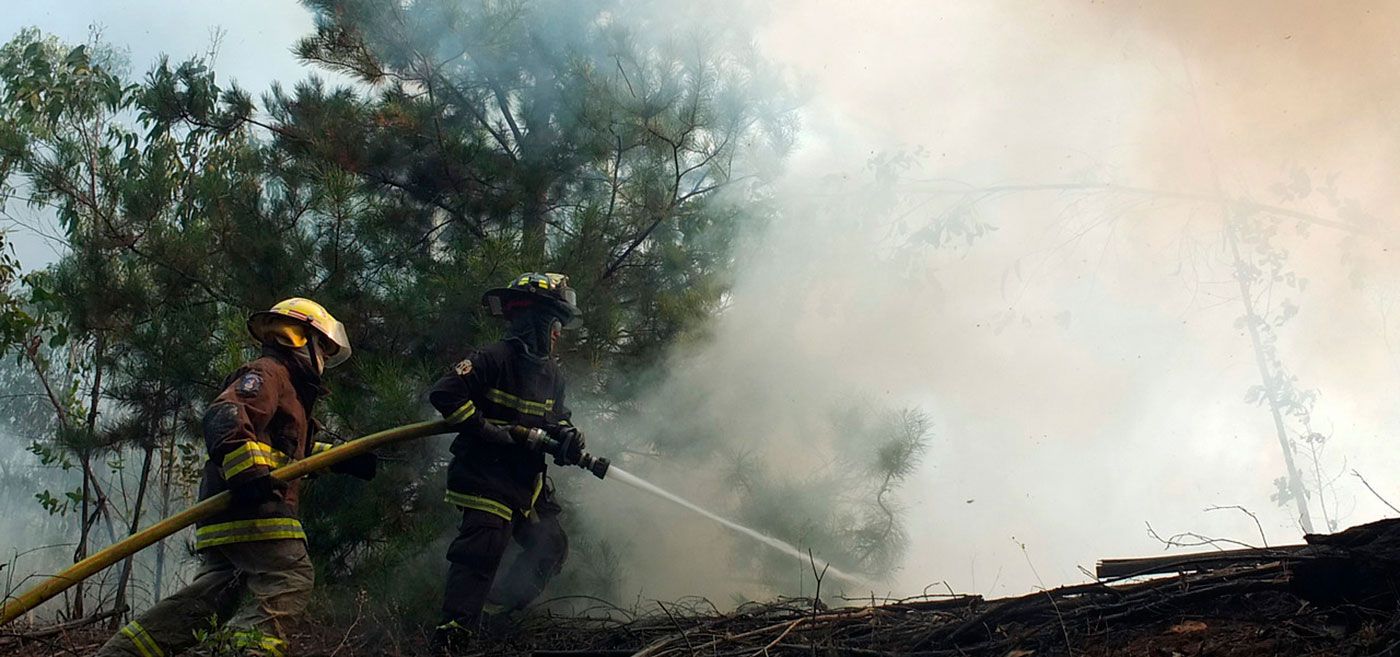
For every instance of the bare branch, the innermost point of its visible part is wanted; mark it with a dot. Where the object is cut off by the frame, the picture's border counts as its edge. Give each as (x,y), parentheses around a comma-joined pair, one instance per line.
(1246,512)
(1373,491)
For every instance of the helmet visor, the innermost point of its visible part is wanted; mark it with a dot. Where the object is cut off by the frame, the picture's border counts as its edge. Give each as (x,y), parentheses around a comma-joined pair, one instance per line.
(572,314)
(335,343)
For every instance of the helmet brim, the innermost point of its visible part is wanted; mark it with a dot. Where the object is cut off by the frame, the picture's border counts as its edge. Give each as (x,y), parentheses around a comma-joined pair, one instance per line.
(335,342)
(496,300)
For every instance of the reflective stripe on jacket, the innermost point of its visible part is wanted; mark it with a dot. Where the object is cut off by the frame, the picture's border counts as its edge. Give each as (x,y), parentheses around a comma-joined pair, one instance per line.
(258,423)
(493,388)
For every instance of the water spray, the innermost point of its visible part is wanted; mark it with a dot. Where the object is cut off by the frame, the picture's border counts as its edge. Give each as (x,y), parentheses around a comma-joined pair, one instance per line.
(603,468)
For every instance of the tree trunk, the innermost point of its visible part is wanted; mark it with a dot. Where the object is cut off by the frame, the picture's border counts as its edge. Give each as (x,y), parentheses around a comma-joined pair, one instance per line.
(83,530)
(168,465)
(532,228)
(135,525)
(89,481)
(1252,321)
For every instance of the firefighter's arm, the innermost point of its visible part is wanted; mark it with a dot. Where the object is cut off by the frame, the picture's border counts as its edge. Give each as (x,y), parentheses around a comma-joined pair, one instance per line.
(453,396)
(232,424)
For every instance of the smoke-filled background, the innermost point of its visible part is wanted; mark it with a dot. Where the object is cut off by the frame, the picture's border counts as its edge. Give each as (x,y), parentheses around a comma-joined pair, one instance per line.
(1081,360)
(1023,223)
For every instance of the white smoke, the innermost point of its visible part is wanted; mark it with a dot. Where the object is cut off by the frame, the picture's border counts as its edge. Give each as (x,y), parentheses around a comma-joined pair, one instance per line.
(1081,359)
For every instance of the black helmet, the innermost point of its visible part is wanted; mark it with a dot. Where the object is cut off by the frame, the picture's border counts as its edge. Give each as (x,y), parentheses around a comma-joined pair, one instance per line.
(531,288)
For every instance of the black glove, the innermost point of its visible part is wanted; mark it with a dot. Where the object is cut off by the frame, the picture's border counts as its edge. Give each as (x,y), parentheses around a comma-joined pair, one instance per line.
(257,490)
(571,444)
(364,466)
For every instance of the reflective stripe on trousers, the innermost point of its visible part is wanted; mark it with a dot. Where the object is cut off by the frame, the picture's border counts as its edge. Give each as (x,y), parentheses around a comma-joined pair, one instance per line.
(142,640)
(275,576)
(535,496)
(479,503)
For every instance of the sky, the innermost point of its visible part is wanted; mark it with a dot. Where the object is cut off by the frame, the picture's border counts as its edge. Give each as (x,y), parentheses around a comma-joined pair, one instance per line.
(1081,362)
(253,39)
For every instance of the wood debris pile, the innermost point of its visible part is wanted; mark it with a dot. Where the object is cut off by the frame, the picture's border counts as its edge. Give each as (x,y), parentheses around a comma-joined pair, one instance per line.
(1336,595)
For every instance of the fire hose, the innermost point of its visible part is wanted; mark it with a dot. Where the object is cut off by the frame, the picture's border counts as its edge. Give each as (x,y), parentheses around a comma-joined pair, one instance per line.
(130,545)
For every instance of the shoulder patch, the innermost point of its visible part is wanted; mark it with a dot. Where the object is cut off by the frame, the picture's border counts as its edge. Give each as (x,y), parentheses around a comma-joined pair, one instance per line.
(463,368)
(249,385)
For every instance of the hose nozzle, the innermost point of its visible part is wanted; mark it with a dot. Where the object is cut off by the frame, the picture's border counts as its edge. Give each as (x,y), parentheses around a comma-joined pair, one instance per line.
(595,464)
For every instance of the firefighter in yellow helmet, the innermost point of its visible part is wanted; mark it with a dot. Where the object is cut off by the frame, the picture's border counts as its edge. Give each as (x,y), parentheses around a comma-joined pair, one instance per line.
(259,422)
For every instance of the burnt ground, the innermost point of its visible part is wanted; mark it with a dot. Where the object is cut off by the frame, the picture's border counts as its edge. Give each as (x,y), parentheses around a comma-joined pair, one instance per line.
(1335,596)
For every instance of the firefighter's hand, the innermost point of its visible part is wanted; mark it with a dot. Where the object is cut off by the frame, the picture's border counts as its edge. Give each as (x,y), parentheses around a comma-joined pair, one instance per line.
(257,490)
(571,444)
(364,466)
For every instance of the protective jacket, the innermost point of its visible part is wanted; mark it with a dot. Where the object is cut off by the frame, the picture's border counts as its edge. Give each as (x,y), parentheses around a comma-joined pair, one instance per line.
(495,387)
(261,421)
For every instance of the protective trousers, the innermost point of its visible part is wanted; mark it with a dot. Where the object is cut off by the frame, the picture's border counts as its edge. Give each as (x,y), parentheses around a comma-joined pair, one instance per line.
(278,575)
(475,555)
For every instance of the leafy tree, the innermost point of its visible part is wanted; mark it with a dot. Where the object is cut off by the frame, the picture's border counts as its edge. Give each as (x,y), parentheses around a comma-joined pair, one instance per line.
(60,107)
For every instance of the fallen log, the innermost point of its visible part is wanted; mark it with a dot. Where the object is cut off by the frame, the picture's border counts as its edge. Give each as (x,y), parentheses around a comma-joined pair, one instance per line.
(1197,562)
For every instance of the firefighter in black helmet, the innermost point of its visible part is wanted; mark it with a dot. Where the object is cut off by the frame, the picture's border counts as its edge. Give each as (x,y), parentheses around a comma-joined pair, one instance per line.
(504,398)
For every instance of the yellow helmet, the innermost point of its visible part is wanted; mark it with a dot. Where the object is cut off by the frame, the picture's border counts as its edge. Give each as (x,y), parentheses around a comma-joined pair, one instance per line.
(267,324)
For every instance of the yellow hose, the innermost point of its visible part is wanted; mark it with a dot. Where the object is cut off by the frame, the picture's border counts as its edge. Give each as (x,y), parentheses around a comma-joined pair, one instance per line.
(130,545)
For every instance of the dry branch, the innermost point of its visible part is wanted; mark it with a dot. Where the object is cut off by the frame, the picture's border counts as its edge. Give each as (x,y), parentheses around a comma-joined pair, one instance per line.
(1294,596)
